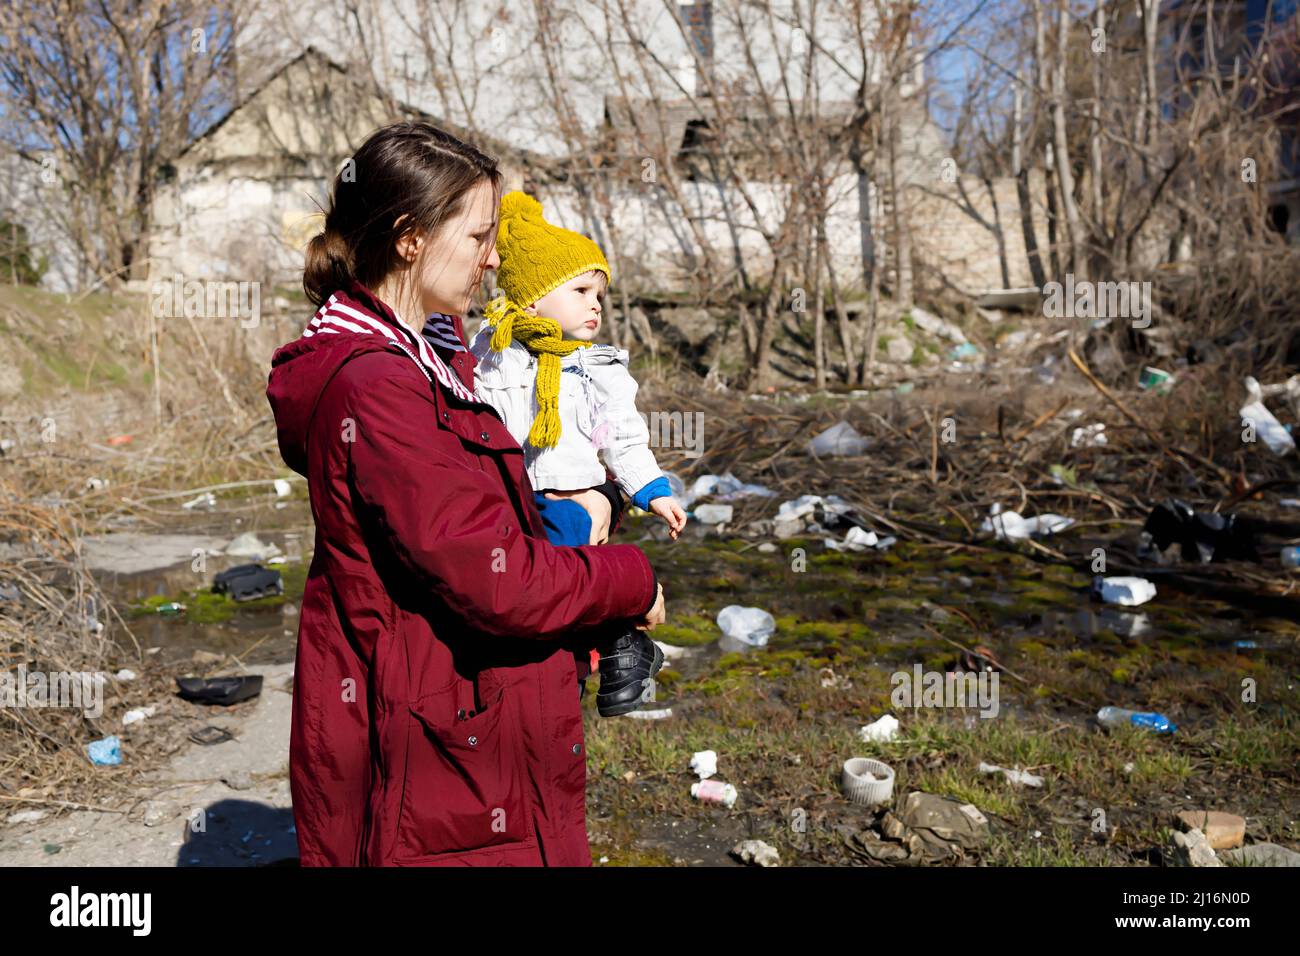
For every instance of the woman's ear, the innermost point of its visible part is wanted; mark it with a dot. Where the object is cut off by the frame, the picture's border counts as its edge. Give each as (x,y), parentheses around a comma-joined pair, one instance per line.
(409,242)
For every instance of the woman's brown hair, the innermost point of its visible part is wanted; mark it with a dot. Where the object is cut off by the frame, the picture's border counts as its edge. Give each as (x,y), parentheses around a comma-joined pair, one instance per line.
(412,173)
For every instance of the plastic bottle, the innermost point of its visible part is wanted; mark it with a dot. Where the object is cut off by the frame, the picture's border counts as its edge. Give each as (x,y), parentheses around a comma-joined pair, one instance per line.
(1291,557)
(1119,717)
(714,791)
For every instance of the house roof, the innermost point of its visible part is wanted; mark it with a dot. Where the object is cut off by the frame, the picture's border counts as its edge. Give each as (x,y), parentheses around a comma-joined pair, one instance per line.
(316,55)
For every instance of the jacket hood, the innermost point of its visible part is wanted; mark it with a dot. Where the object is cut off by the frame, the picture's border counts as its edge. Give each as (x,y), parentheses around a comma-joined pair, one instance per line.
(302,369)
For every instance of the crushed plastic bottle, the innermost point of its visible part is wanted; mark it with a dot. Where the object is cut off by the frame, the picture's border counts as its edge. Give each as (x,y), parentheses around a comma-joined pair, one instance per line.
(1119,717)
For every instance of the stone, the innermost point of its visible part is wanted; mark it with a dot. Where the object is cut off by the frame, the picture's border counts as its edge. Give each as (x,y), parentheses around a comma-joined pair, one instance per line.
(899,348)
(1191,849)
(238,780)
(1262,854)
(1222,830)
(156,813)
(694,325)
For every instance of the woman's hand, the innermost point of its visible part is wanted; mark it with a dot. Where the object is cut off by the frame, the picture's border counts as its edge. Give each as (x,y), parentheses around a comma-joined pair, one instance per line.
(672,513)
(597,506)
(656,615)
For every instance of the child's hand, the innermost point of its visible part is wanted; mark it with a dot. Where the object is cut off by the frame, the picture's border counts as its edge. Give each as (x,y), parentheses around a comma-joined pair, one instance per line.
(668,509)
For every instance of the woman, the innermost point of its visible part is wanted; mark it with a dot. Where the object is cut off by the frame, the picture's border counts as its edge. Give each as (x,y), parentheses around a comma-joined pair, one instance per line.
(436,714)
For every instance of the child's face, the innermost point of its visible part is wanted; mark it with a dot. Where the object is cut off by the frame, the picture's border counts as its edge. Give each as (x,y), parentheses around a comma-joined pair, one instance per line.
(575,305)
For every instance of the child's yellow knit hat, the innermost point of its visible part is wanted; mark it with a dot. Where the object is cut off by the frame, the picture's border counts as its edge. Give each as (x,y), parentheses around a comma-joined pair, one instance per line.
(537,258)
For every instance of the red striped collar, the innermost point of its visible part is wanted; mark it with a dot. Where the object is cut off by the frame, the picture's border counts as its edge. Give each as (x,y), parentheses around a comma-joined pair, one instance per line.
(343,314)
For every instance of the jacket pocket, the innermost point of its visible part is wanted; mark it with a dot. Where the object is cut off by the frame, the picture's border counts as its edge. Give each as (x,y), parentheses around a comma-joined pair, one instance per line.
(464,788)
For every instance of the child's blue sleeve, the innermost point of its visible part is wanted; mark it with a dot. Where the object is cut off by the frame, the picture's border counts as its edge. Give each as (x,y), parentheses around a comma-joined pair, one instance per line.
(659,488)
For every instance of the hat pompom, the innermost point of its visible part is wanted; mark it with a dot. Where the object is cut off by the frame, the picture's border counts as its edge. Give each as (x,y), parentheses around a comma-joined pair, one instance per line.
(520,205)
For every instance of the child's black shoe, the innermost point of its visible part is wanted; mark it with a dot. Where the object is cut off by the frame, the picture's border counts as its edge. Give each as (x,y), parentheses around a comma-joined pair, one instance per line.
(628,666)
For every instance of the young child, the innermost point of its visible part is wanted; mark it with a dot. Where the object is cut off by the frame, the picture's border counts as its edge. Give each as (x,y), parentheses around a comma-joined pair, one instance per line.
(568,402)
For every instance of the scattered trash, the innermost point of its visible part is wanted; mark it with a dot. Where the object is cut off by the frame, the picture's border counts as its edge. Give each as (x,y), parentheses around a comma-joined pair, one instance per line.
(222,691)
(1089,436)
(749,625)
(810,513)
(713,514)
(27,816)
(832,680)
(1291,557)
(1200,537)
(705,764)
(10,592)
(125,674)
(1124,591)
(1223,831)
(1119,717)
(209,735)
(964,352)
(248,582)
(52,848)
(757,853)
(929,829)
(106,752)
(1156,380)
(672,651)
(1261,854)
(841,439)
(867,782)
(904,389)
(1010,526)
(1190,849)
(931,324)
(1267,427)
(1016,776)
(249,545)
(117,440)
(882,731)
(1289,502)
(659,714)
(137,715)
(171,609)
(715,791)
(722,487)
(282,488)
(206,500)
(96,484)
(857,539)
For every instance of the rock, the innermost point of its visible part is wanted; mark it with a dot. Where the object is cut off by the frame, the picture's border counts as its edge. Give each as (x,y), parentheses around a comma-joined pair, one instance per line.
(756,853)
(695,326)
(1262,854)
(1222,830)
(899,348)
(26,816)
(156,813)
(1190,849)
(238,780)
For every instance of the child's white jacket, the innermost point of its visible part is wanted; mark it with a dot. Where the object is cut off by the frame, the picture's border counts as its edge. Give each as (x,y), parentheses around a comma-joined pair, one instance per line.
(598,415)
